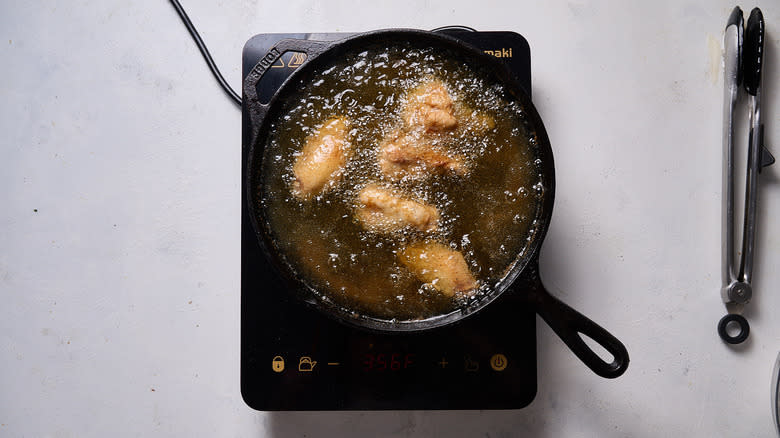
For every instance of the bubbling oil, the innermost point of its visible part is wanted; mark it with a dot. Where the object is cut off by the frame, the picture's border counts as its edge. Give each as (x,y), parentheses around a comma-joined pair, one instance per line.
(489,215)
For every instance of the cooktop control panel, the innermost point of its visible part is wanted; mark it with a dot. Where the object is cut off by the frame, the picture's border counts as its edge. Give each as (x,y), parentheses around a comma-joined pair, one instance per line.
(293,357)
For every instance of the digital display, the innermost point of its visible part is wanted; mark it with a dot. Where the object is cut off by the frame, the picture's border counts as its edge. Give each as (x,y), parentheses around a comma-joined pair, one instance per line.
(380,362)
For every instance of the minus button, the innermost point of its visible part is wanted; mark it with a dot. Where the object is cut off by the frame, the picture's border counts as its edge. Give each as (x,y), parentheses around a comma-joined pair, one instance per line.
(333,364)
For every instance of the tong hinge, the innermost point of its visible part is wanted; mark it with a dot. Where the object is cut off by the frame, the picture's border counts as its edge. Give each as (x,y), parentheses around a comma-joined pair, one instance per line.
(738,292)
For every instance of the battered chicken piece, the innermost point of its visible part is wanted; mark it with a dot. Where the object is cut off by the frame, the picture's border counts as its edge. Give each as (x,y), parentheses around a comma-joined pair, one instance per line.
(429,106)
(475,121)
(384,211)
(440,266)
(478,122)
(403,154)
(322,159)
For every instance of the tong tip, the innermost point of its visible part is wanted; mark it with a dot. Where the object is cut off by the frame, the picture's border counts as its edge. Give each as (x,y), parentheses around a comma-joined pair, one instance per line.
(753,51)
(735,19)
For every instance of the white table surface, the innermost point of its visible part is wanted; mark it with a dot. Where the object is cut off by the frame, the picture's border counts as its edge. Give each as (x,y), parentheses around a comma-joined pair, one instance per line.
(119,219)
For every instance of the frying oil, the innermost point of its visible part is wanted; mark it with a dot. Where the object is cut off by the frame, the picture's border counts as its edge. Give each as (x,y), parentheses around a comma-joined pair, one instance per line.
(488,215)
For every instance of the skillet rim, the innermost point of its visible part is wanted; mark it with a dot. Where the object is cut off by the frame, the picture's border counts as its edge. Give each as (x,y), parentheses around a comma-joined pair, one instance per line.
(270,112)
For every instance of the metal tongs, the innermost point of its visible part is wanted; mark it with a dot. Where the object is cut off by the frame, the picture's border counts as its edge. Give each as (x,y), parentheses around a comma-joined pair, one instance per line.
(744,59)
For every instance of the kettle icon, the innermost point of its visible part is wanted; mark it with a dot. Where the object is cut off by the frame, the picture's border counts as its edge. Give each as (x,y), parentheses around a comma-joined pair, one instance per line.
(306,365)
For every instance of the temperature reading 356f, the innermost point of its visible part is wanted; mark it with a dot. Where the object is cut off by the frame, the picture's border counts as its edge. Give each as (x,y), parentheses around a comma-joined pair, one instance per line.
(387,361)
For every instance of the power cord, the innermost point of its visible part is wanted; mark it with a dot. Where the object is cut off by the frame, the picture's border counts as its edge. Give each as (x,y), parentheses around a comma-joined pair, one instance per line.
(207,56)
(205,52)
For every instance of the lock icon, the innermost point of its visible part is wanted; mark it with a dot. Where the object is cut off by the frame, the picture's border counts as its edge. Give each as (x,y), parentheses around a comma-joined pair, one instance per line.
(277,364)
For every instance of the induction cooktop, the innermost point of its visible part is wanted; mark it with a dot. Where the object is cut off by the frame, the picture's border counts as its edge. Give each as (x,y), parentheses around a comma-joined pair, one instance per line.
(296,358)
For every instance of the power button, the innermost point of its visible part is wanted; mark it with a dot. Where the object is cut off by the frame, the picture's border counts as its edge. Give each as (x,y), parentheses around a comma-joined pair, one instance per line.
(498,362)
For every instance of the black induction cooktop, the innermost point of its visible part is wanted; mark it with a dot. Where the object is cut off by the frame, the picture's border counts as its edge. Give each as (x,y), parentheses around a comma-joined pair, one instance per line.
(296,358)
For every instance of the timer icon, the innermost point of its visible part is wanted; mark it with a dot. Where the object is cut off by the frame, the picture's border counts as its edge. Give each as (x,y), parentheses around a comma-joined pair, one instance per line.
(498,362)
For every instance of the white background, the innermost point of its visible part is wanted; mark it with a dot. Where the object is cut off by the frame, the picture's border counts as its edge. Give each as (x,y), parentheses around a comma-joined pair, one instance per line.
(119,296)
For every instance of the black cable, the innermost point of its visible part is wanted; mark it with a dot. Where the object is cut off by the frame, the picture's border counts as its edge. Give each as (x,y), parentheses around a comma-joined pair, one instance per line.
(205,52)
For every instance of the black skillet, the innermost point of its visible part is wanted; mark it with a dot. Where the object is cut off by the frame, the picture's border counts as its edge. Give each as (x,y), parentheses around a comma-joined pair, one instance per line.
(523,279)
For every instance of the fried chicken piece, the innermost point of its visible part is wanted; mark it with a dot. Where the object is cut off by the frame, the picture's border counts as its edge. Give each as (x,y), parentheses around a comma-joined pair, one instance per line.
(384,211)
(429,106)
(479,122)
(322,159)
(472,120)
(440,266)
(404,154)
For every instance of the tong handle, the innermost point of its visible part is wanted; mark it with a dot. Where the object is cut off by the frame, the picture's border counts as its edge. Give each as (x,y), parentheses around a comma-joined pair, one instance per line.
(751,200)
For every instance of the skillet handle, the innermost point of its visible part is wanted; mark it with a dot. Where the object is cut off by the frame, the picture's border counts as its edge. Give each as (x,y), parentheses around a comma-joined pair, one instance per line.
(570,325)
(257,109)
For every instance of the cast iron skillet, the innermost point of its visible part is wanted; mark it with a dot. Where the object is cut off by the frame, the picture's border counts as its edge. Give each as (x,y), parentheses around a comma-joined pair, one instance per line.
(565,321)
